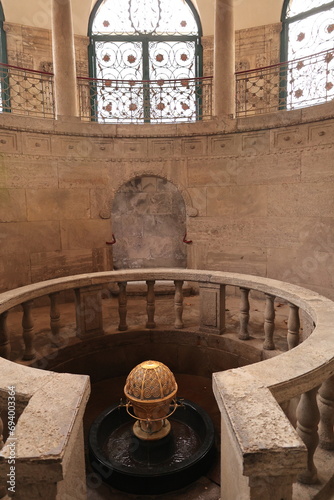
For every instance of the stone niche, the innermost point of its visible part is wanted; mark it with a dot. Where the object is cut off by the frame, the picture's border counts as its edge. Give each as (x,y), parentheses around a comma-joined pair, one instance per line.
(149,223)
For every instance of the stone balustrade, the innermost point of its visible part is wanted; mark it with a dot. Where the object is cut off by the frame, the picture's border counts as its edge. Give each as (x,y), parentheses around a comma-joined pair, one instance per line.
(263,455)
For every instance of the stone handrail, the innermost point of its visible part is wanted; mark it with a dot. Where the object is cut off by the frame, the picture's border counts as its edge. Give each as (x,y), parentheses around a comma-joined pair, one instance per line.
(43,457)
(265,453)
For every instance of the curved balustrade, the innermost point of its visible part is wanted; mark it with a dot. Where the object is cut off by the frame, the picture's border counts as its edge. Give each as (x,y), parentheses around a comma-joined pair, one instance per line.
(262,453)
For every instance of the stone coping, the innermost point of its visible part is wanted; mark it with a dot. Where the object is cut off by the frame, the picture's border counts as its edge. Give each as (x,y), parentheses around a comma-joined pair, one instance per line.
(50,407)
(75,127)
(248,397)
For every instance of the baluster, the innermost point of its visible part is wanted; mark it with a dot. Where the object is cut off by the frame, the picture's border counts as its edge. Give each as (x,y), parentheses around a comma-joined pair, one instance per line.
(293,326)
(178,304)
(307,427)
(54,318)
(4,336)
(269,323)
(28,331)
(244,314)
(122,306)
(326,408)
(150,308)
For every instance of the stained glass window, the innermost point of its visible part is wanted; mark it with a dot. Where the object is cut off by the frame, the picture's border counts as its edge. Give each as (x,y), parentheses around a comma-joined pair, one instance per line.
(308,39)
(143,53)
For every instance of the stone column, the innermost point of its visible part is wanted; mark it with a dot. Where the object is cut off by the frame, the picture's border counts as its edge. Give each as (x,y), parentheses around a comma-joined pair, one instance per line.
(224,59)
(65,78)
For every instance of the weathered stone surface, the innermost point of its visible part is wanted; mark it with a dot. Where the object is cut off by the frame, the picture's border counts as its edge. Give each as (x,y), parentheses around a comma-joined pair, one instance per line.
(217,172)
(198,199)
(12,205)
(14,270)
(10,142)
(224,145)
(148,219)
(29,237)
(212,308)
(268,169)
(58,204)
(253,144)
(48,265)
(315,200)
(298,265)
(321,134)
(237,201)
(246,260)
(290,138)
(80,174)
(194,147)
(84,234)
(88,310)
(317,166)
(21,171)
(37,144)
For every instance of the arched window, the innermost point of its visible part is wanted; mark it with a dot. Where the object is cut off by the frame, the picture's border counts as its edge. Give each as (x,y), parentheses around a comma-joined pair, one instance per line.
(308,36)
(144,44)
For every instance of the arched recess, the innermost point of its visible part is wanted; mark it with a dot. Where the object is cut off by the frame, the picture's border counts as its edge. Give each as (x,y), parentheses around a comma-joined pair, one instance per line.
(144,44)
(149,222)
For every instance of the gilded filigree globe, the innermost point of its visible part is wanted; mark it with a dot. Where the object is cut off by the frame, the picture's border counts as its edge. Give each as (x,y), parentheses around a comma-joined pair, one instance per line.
(150,380)
(150,389)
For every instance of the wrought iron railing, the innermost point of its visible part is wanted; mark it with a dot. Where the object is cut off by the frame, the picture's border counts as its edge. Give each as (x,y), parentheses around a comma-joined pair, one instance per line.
(26,92)
(289,85)
(154,101)
(285,86)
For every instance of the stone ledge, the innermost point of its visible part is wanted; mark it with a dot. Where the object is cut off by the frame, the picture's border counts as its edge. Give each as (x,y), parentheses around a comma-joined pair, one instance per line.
(215,126)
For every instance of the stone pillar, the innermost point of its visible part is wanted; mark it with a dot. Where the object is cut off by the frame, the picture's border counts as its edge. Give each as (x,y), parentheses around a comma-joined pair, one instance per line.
(88,308)
(212,308)
(224,59)
(65,78)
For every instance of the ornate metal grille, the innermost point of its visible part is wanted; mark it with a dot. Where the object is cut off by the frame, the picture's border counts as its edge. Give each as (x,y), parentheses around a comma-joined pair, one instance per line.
(144,41)
(128,101)
(308,29)
(159,17)
(303,82)
(26,92)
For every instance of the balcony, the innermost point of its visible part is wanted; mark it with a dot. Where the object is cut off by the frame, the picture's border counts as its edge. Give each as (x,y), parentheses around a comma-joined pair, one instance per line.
(275,397)
(284,86)
(296,84)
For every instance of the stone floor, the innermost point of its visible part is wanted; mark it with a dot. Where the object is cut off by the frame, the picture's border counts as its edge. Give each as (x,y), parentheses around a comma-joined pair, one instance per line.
(197,389)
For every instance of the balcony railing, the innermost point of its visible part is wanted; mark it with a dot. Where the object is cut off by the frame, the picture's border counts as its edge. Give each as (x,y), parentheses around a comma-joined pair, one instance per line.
(266,449)
(154,101)
(26,92)
(289,85)
(285,86)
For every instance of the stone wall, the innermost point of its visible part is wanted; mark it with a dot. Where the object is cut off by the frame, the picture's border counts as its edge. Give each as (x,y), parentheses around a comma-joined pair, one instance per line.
(258,201)
(31,48)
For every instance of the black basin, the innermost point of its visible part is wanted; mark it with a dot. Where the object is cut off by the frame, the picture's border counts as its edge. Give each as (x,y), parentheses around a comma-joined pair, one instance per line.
(152,467)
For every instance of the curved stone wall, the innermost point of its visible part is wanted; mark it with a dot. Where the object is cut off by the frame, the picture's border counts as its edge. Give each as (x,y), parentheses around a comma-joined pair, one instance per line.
(258,193)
